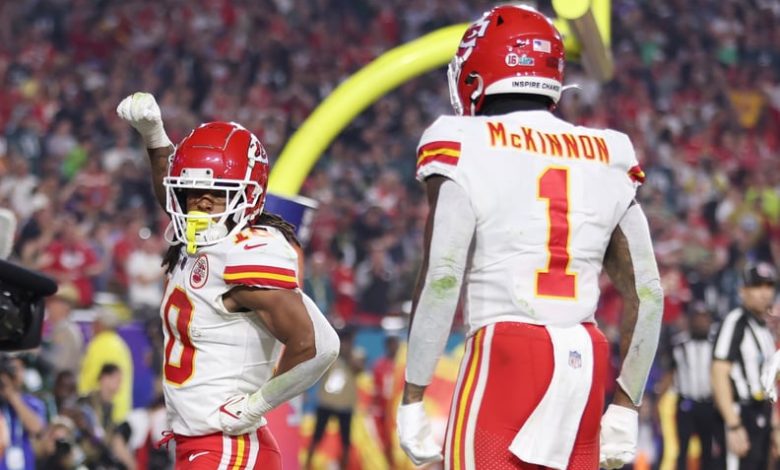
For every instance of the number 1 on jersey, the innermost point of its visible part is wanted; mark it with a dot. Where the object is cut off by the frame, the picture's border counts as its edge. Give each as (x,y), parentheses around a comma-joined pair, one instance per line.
(555,280)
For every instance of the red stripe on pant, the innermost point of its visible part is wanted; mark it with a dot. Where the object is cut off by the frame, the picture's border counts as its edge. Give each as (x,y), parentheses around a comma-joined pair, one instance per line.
(519,369)
(206,452)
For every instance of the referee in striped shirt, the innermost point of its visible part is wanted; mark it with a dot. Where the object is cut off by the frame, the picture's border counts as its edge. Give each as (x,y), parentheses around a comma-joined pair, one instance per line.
(743,346)
(691,357)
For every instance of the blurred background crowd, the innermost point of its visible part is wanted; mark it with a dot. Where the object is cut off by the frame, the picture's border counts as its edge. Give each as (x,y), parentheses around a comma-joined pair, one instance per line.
(697,88)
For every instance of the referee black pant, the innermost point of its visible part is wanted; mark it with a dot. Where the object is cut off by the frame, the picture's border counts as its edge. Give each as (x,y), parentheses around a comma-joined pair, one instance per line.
(756,417)
(695,417)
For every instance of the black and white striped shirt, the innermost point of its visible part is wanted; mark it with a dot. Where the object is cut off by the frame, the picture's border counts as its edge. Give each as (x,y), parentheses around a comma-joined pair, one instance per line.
(747,343)
(691,359)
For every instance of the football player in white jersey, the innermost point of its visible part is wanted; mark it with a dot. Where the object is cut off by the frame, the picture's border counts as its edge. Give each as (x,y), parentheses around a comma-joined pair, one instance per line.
(525,211)
(232,297)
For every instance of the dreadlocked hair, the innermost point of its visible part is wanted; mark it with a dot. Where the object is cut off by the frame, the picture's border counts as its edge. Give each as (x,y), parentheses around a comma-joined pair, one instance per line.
(171,257)
(275,221)
(266,218)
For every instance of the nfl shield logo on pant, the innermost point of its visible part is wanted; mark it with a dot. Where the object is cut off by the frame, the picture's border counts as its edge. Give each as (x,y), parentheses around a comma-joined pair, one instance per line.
(575,360)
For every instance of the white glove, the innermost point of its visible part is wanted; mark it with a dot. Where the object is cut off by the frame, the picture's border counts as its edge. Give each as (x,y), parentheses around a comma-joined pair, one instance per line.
(769,376)
(619,433)
(242,414)
(414,434)
(141,111)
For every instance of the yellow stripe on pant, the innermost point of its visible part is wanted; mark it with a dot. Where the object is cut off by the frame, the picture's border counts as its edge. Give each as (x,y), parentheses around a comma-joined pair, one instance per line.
(463,403)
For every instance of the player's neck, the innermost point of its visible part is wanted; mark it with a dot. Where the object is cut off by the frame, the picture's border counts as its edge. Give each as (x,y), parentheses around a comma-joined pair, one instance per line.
(506,104)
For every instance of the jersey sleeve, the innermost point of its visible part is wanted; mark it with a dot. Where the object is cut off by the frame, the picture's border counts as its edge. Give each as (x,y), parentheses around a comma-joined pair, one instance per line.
(262,260)
(439,150)
(626,160)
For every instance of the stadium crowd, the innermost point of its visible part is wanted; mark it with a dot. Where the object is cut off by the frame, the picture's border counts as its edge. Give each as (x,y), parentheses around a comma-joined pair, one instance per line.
(697,88)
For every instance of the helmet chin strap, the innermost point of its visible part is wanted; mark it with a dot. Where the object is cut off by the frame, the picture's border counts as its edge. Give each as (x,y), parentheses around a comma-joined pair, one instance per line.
(476,95)
(170,234)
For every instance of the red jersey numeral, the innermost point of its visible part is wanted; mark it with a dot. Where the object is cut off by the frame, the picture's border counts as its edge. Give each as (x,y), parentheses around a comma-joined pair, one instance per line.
(555,280)
(179,365)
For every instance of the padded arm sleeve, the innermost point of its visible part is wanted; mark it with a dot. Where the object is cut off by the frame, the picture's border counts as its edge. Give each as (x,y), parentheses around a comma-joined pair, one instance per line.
(644,341)
(454,223)
(296,380)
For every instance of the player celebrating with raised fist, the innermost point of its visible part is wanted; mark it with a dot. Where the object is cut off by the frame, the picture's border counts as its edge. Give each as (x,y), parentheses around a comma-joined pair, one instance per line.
(232,297)
(525,211)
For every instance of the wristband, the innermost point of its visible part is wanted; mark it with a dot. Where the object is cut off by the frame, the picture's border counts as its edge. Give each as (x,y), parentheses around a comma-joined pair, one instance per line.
(734,427)
(156,138)
(257,405)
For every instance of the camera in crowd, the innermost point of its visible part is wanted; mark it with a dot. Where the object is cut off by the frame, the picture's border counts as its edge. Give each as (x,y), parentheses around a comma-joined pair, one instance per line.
(22,294)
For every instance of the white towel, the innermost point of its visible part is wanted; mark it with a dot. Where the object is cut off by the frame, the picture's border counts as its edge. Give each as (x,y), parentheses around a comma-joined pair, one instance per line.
(548,436)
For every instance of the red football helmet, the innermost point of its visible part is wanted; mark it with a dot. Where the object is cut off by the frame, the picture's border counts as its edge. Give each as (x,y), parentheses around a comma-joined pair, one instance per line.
(216,156)
(511,49)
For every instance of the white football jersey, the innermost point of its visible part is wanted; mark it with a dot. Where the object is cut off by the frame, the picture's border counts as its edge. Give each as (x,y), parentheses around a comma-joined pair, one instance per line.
(211,354)
(547,196)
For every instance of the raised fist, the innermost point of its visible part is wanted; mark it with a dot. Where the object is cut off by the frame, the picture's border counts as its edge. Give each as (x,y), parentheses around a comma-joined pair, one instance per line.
(141,111)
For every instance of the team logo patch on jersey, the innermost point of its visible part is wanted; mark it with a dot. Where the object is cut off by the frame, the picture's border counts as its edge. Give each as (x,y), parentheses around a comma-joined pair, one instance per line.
(200,272)
(575,360)
(636,174)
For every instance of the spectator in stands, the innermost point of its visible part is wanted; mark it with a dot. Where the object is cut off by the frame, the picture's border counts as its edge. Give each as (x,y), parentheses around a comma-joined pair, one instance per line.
(58,449)
(17,189)
(100,402)
(145,276)
(127,242)
(64,392)
(24,414)
(38,230)
(345,299)
(137,437)
(70,260)
(64,344)
(107,347)
(94,412)
(317,283)
(369,229)
(375,277)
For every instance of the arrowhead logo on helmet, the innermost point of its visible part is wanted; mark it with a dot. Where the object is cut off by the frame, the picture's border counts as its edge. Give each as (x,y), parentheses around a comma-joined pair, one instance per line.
(507,43)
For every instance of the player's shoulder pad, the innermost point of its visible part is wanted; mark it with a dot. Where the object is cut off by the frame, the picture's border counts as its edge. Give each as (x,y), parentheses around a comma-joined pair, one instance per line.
(261,257)
(440,146)
(624,156)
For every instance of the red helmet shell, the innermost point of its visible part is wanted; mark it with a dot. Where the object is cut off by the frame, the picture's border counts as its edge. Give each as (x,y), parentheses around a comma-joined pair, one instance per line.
(230,154)
(511,49)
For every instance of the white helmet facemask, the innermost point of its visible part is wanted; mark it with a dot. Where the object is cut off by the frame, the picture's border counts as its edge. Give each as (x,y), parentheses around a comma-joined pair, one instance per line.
(195,228)
(453,75)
